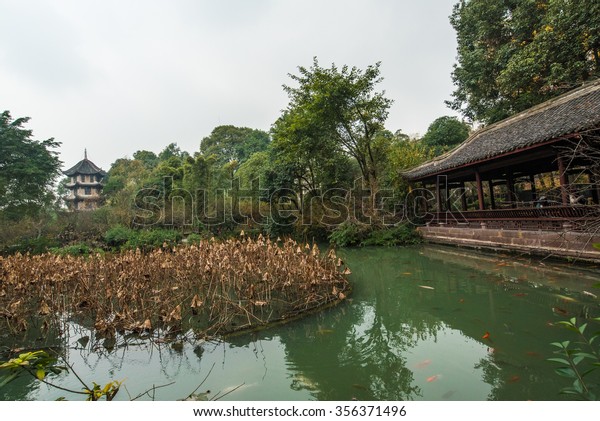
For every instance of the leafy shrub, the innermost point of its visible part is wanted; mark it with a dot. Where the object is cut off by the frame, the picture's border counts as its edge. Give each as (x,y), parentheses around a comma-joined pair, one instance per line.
(578,360)
(194,238)
(122,238)
(151,239)
(31,245)
(401,235)
(76,250)
(117,236)
(349,233)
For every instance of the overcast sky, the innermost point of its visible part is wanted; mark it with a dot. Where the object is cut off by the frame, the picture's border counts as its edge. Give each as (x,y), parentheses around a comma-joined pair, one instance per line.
(118,76)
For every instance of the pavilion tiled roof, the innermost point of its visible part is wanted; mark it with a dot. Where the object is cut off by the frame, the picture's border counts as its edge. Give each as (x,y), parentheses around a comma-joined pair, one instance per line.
(85,166)
(573,112)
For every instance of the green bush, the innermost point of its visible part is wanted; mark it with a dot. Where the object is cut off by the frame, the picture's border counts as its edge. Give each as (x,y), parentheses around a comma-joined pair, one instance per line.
(116,237)
(401,235)
(76,250)
(122,238)
(151,239)
(194,238)
(31,245)
(350,234)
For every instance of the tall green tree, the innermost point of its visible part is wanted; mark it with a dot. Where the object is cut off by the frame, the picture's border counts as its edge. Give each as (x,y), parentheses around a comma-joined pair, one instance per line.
(231,143)
(170,151)
(445,133)
(514,54)
(148,158)
(340,107)
(28,169)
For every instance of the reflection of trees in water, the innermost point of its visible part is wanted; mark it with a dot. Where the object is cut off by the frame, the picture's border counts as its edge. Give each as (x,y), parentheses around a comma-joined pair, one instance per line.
(501,373)
(362,345)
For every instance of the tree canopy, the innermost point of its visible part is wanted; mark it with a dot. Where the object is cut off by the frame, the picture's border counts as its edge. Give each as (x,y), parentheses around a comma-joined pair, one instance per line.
(28,169)
(514,54)
(445,133)
(231,143)
(336,109)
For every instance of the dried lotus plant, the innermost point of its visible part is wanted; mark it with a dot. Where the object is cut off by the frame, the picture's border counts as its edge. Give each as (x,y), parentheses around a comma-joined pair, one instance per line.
(213,288)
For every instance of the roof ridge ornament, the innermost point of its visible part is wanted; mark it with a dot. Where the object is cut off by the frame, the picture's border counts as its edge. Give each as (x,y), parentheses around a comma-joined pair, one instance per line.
(85,153)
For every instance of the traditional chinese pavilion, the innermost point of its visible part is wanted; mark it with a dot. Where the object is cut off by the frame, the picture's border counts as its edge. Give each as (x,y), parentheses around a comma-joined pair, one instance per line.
(84,184)
(530,182)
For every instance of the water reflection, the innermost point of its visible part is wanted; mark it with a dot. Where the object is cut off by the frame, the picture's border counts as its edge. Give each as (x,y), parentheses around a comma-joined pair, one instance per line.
(429,323)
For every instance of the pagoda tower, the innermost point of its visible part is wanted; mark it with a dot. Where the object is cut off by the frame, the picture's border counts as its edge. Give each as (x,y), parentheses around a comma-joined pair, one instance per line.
(85,184)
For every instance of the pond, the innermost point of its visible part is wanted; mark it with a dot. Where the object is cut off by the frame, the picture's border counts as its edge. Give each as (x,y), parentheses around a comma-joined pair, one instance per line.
(423,323)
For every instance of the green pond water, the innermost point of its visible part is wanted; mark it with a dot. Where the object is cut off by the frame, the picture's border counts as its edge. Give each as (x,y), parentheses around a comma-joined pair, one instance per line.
(413,329)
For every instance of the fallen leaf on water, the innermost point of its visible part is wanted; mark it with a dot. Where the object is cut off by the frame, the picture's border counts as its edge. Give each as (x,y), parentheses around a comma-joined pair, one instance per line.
(566,299)
(426,287)
(560,311)
(462,300)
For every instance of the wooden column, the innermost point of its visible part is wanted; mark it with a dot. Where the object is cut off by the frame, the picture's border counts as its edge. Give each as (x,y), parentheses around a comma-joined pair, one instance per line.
(564,181)
(438,195)
(492,198)
(423,195)
(533,189)
(463,196)
(510,184)
(479,190)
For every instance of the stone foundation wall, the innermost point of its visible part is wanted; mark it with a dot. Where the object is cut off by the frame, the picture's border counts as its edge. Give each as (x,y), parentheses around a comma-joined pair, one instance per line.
(562,244)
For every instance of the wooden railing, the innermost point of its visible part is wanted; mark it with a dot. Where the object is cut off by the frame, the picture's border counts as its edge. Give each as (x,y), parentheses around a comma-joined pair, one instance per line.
(552,218)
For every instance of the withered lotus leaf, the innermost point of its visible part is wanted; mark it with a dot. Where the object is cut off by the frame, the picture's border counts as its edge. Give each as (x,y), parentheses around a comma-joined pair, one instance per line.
(237,279)
(175,315)
(44,309)
(196,302)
